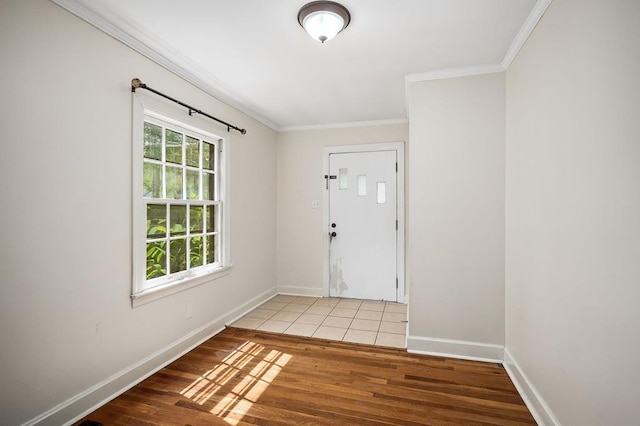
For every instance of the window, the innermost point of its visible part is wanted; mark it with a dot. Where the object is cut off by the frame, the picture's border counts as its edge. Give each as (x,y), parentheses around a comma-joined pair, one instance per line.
(179,238)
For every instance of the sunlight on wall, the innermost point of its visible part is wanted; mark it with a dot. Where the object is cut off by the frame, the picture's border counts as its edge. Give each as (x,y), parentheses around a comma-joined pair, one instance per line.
(233,405)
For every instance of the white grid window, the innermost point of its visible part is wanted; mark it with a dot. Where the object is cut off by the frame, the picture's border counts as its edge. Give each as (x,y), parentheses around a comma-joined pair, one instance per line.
(179,204)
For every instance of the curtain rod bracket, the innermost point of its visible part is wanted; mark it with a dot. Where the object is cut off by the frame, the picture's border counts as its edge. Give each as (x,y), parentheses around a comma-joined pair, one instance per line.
(136,83)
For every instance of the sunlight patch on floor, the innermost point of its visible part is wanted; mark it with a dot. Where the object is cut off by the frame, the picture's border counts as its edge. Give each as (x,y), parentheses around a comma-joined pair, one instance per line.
(235,404)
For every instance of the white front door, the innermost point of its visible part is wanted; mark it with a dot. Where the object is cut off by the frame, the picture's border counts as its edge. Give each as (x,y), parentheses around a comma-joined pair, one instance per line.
(363,225)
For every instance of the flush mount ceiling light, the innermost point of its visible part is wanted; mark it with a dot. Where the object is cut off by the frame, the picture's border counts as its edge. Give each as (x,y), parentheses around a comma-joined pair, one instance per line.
(323,19)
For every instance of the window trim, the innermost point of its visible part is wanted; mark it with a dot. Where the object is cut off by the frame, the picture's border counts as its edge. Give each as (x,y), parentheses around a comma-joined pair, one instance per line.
(144,106)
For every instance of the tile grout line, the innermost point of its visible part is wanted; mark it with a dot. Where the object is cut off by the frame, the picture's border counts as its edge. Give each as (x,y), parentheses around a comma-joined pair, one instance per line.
(379,325)
(351,322)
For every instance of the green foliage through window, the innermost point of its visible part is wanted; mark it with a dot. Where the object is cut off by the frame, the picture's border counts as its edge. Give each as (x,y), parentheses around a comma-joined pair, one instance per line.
(194,239)
(180,235)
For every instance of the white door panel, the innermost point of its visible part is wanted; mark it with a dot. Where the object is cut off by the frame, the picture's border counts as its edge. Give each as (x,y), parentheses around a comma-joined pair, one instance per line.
(363,207)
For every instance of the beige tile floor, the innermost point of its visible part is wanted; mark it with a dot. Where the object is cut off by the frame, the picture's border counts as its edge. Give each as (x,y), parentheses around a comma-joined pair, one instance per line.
(347,320)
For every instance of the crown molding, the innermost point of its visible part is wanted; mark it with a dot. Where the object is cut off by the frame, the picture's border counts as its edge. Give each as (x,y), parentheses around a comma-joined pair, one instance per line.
(454,72)
(525,31)
(160,55)
(344,125)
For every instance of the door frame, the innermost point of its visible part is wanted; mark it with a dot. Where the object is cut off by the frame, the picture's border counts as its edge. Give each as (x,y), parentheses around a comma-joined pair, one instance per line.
(400,208)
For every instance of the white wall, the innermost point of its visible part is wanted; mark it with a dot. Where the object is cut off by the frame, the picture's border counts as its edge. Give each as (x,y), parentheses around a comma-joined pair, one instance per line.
(66,321)
(300,181)
(456,216)
(573,212)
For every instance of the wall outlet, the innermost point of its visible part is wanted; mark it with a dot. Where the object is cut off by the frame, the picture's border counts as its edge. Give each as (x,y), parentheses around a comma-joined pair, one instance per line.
(315,204)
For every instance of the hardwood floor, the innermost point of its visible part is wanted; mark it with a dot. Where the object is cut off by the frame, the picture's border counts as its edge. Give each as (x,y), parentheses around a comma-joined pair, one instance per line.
(250,377)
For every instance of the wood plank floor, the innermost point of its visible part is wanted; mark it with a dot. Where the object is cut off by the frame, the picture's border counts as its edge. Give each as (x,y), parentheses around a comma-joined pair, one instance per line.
(250,377)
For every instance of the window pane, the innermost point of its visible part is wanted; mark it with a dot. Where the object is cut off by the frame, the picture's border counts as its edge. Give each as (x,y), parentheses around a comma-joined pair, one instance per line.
(196,219)
(193,185)
(180,176)
(174,183)
(193,152)
(382,192)
(196,255)
(208,155)
(156,221)
(178,255)
(156,259)
(211,219)
(211,249)
(152,180)
(174,146)
(362,185)
(152,141)
(178,220)
(208,186)
(343,182)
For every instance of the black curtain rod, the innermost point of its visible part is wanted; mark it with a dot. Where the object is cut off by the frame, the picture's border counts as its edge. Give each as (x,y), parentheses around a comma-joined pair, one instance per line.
(136,83)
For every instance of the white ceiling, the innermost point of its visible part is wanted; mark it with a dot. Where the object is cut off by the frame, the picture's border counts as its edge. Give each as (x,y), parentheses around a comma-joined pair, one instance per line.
(254,55)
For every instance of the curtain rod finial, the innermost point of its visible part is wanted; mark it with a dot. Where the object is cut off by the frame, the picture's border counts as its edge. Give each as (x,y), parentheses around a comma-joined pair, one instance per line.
(136,83)
(243,131)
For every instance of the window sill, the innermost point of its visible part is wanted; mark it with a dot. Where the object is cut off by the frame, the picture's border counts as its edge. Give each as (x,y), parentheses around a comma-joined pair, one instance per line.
(155,293)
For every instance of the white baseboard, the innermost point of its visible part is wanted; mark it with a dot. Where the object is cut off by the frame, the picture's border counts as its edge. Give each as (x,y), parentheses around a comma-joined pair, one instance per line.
(250,306)
(73,409)
(300,291)
(538,407)
(455,349)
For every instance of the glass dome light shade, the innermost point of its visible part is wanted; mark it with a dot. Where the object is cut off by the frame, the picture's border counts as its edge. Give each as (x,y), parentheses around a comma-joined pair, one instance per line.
(323,26)
(322,20)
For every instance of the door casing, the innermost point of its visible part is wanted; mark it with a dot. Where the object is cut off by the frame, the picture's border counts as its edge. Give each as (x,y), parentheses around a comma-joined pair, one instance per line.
(400,249)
